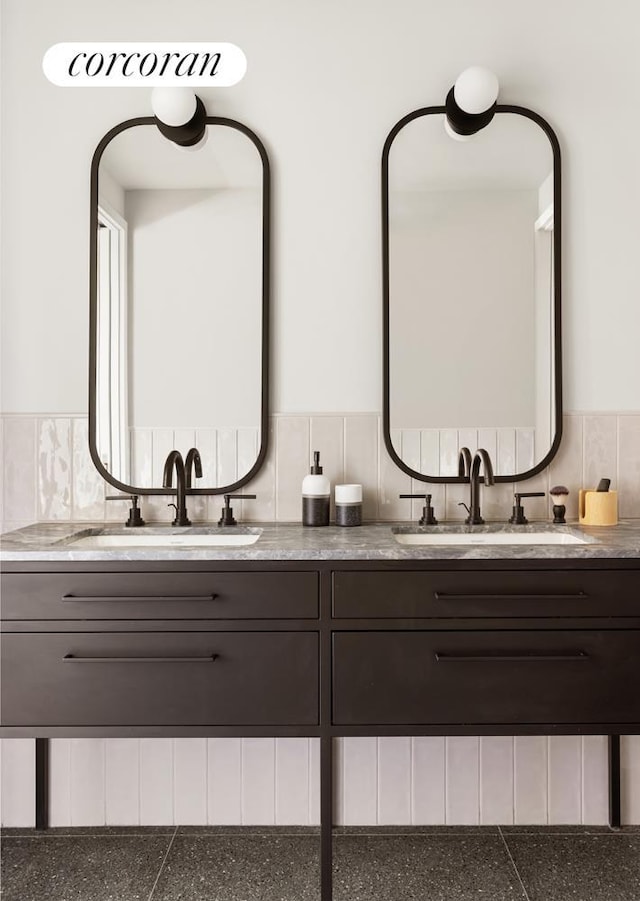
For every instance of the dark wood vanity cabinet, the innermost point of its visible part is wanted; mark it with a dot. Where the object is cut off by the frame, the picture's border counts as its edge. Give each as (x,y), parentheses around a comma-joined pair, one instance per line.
(321,649)
(311,648)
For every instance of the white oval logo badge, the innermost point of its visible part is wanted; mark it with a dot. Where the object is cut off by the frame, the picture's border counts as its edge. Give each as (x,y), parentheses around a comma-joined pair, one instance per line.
(112,65)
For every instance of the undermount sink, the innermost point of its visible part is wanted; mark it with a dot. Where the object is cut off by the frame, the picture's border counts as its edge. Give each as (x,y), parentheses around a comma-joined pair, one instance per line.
(457,537)
(189,537)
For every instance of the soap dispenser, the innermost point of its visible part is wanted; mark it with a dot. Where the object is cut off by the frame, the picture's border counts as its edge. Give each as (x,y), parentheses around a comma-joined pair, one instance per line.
(316,496)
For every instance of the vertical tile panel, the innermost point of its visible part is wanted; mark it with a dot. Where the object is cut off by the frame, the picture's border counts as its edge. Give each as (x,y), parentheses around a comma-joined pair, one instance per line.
(507,462)
(19,469)
(600,450)
(190,792)
(361,460)
(393,482)
(60,782)
(141,456)
(225,781)
(327,436)
(360,785)
(258,781)
(184,440)
(430,465)
(247,455)
(122,781)
(595,782)
(156,509)
(525,449)
(428,781)
(338,780)
(463,780)
(630,775)
(87,782)
(566,467)
(314,780)
(292,781)
(156,782)
(565,779)
(449,450)
(88,487)
(411,455)
(227,456)
(17,783)
(497,500)
(394,781)
(629,466)
(292,465)
(531,779)
(496,780)
(54,469)
(263,509)
(468,438)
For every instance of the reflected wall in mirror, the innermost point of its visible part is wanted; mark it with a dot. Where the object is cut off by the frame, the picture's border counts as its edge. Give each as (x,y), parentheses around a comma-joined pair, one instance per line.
(179,303)
(471,270)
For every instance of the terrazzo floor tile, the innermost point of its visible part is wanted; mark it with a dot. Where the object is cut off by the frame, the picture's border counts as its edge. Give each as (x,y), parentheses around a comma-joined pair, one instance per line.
(82,867)
(578,867)
(233,868)
(436,867)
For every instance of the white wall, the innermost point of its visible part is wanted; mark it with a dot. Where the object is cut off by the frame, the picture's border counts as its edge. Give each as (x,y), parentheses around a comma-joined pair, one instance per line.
(325,83)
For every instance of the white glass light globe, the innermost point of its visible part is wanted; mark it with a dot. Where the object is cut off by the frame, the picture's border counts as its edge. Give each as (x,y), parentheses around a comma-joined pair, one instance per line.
(476,89)
(173,106)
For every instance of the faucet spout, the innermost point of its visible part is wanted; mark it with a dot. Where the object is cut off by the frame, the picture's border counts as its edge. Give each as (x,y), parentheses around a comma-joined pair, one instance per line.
(464,462)
(174,461)
(483,459)
(192,463)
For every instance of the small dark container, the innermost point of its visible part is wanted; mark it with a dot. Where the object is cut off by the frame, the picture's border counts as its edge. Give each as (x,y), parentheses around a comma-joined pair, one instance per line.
(348,514)
(348,505)
(315,511)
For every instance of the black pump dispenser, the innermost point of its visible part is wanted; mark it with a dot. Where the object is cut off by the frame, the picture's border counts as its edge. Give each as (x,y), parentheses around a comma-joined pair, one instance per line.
(316,495)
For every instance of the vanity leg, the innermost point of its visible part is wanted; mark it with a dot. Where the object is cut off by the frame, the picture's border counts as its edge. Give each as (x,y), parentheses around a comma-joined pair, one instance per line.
(326,818)
(42,783)
(615,820)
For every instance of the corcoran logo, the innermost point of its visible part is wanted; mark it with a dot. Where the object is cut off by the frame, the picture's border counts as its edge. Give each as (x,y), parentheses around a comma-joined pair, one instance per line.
(111,65)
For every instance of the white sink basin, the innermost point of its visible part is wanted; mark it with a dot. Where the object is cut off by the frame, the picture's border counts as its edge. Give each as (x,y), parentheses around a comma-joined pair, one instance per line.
(141,538)
(488,538)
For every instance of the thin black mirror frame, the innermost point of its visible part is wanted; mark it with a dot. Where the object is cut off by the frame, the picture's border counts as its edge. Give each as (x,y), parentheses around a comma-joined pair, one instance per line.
(557,295)
(93,307)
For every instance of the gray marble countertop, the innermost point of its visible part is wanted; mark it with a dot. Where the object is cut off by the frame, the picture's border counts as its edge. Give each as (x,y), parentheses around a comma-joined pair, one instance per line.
(283,541)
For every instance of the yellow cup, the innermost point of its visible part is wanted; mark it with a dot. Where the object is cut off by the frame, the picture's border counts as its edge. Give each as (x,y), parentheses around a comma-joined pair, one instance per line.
(598,508)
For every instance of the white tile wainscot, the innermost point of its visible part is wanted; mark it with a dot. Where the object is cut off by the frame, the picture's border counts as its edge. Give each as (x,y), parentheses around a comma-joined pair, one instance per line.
(47,473)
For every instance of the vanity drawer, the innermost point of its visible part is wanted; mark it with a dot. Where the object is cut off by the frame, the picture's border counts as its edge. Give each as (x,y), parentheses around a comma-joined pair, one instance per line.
(160,679)
(167,595)
(513,593)
(483,678)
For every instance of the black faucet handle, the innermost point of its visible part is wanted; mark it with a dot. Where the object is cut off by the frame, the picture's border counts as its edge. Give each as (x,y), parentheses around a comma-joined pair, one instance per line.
(135,517)
(517,517)
(428,516)
(227,518)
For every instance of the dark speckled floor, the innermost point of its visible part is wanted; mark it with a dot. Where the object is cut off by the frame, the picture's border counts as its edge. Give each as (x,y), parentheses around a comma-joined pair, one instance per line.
(430,864)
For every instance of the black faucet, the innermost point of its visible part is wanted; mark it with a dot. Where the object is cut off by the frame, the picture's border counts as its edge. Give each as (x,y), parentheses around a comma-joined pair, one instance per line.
(192,462)
(175,461)
(483,459)
(464,462)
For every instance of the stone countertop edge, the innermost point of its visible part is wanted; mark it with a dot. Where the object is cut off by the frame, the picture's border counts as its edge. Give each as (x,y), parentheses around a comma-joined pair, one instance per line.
(49,542)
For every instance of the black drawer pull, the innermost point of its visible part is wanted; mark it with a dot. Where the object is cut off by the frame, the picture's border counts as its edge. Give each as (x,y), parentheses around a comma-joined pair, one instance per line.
(444,596)
(72,658)
(524,657)
(142,597)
